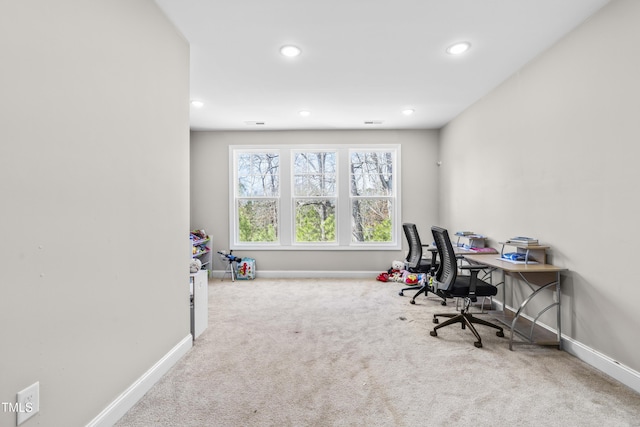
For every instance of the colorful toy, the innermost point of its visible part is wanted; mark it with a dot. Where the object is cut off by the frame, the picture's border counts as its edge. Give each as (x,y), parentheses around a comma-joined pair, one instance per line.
(246,269)
(397,273)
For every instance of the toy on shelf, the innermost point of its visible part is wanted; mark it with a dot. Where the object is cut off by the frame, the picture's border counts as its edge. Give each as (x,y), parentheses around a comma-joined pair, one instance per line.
(201,249)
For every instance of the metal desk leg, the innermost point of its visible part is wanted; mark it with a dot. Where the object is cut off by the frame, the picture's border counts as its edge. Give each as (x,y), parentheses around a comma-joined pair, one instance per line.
(524,303)
(559,311)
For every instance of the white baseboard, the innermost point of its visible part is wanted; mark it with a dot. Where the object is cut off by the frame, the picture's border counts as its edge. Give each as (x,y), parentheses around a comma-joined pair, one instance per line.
(604,363)
(116,409)
(288,274)
(601,362)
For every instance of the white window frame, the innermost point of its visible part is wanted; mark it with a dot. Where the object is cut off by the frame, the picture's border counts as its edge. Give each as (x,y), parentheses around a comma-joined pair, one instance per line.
(286,238)
(235,198)
(294,197)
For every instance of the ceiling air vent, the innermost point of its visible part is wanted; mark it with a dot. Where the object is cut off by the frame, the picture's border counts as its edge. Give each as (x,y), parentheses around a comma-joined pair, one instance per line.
(373,122)
(253,123)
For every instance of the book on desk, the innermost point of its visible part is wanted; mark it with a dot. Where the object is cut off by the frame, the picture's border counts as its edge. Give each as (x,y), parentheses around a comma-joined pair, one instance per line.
(523,241)
(486,250)
(514,261)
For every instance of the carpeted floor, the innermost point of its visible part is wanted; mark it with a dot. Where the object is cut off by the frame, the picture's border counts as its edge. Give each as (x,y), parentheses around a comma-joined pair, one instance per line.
(320,352)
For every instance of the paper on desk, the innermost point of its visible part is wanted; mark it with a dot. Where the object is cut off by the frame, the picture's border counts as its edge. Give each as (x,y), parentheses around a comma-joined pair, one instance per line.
(517,262)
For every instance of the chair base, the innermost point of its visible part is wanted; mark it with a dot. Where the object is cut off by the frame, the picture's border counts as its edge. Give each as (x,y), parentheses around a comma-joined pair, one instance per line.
(424,289)
(466,320)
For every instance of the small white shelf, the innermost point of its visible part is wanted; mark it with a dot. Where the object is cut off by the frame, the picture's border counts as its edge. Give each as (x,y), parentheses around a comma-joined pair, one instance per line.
(533,253)
(205,256)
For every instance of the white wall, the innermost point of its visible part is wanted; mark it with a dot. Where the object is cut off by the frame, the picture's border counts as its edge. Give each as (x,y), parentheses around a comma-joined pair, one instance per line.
(552,153)
(94,176)
(210,194)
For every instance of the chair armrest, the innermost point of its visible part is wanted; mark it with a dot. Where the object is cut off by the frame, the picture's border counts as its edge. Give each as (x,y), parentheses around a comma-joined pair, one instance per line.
(434,254)
(474,268)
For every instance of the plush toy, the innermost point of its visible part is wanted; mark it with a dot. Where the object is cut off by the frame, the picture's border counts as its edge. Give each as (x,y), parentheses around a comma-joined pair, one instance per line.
(195,265)
(397,265)
(397,273)
(396,276)
(383,277)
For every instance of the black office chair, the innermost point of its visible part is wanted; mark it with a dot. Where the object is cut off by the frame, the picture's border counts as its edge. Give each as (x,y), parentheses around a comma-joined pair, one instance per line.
(416,264)
(453,285)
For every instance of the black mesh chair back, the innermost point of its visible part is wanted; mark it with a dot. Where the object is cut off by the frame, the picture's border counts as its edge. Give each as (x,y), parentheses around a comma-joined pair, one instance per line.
(415,246)
(448,269)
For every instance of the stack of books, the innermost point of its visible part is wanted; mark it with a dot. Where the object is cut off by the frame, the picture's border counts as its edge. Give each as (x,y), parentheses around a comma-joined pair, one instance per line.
(523,241)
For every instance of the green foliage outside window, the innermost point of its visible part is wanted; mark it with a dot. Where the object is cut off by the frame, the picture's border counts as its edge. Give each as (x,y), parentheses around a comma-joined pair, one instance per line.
(258,221)
(372,220)
(315,221)
(380,232)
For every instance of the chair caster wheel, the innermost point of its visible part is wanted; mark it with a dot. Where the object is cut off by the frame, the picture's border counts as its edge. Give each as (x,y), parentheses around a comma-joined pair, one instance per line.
(500,333)
(443,303)
(478,344)
(435,320)
(412,301)
(401,293)
(433,333)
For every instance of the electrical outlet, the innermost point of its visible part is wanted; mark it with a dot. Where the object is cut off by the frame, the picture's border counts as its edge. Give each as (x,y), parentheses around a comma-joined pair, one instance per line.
(28,403)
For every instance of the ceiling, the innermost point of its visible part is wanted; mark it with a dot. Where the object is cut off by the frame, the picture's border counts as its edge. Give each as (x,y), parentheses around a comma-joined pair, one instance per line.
(361,60)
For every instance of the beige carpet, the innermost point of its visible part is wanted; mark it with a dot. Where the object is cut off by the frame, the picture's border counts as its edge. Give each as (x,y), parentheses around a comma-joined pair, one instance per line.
(353,353)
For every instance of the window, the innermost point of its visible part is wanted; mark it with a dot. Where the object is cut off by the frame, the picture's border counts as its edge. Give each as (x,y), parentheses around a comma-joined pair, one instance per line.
(372,195)
(257,197)
(325,197)
(314,196)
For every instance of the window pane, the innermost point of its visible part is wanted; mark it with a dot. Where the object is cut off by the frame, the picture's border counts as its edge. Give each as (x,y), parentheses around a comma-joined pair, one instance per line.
(314,174)
(258,175)
(371,173)
(315,220)
(371,220)
(258,220)
(314,185)
(314,162)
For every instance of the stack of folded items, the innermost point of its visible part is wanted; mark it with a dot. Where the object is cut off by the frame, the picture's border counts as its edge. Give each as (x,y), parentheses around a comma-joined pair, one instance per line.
(514,256)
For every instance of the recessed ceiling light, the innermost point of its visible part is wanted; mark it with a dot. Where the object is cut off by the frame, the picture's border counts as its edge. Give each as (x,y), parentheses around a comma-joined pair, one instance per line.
(458,48)
(197,104)
(290,50)
(304,113)
(408,112)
